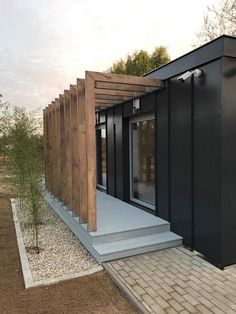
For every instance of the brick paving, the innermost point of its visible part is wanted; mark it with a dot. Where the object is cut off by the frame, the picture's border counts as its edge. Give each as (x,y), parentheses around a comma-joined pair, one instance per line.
(177,281)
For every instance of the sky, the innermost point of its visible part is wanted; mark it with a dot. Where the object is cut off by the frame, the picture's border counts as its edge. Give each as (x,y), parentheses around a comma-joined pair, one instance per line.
(46,44)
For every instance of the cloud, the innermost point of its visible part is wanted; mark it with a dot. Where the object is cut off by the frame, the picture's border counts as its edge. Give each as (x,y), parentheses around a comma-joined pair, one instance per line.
(46,44)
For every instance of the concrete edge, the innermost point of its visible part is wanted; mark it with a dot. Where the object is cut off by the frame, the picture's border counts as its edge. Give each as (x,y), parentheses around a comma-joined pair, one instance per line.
(25,266)
(126,291)
(52,281)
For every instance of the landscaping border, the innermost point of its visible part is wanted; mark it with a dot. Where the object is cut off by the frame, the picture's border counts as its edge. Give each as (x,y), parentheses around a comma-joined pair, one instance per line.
(25,266)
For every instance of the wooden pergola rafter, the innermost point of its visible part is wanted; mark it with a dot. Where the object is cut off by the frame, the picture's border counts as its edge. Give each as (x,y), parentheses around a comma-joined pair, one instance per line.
(69,133)
(112,89)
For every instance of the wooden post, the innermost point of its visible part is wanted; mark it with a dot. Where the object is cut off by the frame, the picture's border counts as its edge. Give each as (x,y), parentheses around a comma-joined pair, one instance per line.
(62,150)
(91,150)
(74,149)
(82,153)
(49,166)
(56,147)
(53,150)
(68,171)
(45,143)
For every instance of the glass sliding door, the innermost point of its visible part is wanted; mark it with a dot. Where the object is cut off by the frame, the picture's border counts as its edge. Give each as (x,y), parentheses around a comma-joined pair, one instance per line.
(142,165)
(101,156)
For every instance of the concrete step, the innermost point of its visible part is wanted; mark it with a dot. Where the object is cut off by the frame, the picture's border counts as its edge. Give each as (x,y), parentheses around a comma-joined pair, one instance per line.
(138,245)
(128,234)
(116,240)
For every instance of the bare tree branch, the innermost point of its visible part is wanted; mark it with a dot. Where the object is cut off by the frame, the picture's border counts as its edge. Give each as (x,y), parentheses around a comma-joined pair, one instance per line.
(217,21)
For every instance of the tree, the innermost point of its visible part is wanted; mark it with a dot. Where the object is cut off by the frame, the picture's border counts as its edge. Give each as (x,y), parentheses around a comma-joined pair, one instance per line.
(140,62)
(5,124)
(218,21)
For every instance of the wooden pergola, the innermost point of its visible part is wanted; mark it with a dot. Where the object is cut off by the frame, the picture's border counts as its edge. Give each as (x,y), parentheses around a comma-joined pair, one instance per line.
(69,136)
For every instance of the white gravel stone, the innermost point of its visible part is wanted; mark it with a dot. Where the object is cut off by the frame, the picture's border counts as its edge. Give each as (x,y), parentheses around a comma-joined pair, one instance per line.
(61,253)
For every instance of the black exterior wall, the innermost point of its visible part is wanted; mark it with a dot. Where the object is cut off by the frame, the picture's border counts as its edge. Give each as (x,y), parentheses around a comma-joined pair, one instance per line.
(206,161)
(228,161)
(195,149)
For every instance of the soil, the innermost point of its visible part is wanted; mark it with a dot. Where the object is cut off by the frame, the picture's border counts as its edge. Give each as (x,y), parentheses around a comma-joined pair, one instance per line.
(90,294)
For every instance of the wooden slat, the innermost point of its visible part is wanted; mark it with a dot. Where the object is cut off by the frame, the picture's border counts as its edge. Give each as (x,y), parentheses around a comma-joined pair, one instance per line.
(83,201)
(74,149)
(125,79)
(91,150)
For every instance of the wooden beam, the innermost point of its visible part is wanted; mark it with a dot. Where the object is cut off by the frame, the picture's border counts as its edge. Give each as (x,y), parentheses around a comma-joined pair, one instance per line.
(91,150)
(111,97)
(104,101)
(123,87)
(82,154)
(99,105)
(125,79)
(116,92)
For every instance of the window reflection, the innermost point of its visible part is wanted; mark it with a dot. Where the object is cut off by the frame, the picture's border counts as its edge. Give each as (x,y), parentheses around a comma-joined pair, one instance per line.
(101,156)
(142,161)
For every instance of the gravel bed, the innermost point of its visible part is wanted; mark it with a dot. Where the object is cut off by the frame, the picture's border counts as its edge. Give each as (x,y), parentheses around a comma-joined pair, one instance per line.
(61,253)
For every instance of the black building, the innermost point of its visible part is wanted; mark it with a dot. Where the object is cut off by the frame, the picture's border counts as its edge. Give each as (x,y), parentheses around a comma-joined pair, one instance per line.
(173,152)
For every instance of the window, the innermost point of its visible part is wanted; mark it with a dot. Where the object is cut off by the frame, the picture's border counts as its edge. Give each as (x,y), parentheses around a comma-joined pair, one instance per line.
(142,164)
(101,156)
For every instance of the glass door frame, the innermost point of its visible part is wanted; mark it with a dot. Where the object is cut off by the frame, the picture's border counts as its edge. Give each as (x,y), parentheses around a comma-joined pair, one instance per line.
(101,126)
(134,119)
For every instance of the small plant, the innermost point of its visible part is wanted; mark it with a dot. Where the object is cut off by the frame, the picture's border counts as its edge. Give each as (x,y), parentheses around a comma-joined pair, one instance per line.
(25,152)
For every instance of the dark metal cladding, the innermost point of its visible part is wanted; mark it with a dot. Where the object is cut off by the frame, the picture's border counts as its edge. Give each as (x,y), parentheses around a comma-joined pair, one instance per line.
(207,102)
(228,161)
(195,144)
(147,103)
(180,159)
(162,154)
(126,156)
(118,123)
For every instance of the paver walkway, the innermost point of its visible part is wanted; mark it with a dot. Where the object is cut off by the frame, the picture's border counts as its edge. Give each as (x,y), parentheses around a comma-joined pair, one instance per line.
(90,294)
(176,281)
